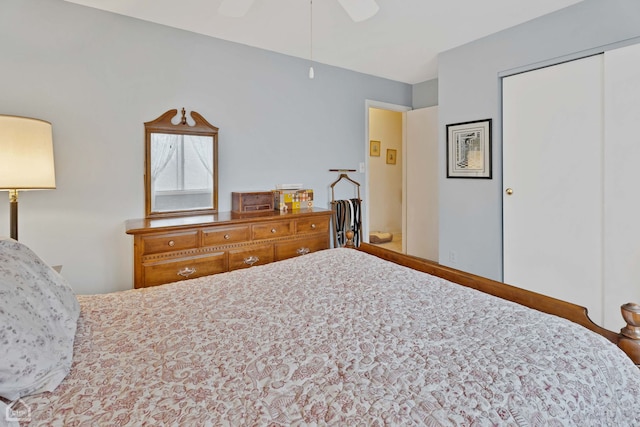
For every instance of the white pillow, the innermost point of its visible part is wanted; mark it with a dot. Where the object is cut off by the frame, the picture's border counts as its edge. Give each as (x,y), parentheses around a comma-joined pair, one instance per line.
(38,317)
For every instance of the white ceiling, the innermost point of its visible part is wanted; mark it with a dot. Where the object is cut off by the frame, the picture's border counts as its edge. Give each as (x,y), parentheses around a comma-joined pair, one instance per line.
(400,42)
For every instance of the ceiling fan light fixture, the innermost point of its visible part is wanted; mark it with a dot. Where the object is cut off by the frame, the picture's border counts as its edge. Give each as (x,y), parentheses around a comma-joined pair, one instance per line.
(360,10)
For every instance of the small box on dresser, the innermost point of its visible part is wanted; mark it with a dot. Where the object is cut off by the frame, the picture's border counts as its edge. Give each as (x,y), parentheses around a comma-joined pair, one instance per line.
(289,200)
(256,201)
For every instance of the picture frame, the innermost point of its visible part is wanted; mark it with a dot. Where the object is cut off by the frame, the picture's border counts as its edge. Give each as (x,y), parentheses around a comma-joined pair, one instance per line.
(391,156)
(469,149)
(374,148)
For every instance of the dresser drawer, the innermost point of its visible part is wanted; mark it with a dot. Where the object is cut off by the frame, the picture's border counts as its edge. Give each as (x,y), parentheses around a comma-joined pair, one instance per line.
(250,256)
(225,235)
(312,225)
(167,271)
(299,247)
(169,242)
(269,230)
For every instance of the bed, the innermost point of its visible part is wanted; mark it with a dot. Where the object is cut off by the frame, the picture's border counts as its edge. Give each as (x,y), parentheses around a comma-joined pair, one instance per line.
(336,337)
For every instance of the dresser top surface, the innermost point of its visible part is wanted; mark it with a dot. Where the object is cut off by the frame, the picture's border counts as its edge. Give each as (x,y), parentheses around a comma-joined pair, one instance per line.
(149,225)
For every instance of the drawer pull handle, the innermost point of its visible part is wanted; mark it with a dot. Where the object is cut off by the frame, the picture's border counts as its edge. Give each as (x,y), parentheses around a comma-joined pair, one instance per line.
(186,272)
(171,243)
(273,230)
(251,260)
(302,251)
(313,226)
(227,237)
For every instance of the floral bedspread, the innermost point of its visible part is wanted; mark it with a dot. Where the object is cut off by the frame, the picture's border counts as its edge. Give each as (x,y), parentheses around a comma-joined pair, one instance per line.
(336,337)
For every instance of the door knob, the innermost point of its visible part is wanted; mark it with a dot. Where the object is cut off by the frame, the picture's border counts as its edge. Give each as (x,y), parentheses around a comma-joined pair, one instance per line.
(509,191)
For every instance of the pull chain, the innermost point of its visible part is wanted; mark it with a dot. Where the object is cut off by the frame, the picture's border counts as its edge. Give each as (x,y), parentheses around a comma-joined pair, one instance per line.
(311,73)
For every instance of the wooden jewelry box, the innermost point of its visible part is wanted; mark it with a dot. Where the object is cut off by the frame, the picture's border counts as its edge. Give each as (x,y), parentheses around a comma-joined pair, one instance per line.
(247,202)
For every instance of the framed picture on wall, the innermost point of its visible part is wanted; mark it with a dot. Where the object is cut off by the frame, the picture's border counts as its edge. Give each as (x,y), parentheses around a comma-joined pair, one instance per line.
(469,149)
(374,148)
(391,156)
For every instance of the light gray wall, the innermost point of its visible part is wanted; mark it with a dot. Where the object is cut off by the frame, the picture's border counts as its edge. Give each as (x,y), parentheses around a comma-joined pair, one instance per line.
(425,94)
(469,89)
(97,77)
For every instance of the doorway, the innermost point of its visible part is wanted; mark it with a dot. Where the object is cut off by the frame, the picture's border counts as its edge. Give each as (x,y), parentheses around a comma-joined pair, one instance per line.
(412,174)
(384,201)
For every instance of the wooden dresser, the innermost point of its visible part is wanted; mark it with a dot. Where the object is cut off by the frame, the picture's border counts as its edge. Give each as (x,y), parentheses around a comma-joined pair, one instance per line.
(183,247)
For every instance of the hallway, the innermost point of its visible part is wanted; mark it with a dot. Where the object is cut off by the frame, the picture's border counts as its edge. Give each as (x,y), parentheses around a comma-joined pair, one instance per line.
(394,245)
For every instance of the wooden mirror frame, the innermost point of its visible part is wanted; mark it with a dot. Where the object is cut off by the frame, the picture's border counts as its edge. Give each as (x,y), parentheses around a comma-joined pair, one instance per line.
(164,124)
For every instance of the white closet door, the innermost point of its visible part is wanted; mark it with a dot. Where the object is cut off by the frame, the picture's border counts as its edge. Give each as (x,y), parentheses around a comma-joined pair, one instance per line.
(421,235)
(552,162)
(622,198)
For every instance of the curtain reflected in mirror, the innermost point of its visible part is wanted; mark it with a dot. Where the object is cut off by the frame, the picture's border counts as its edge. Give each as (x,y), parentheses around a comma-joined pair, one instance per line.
(182,172)
(181,166)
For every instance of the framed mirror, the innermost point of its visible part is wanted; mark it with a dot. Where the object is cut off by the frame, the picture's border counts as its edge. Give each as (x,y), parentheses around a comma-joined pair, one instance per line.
(181,165)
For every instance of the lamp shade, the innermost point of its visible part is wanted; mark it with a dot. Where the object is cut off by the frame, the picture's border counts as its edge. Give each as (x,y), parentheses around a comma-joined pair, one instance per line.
(26,154)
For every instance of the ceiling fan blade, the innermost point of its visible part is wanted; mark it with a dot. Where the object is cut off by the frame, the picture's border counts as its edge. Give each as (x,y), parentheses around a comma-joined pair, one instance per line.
(234,8)
(360,10)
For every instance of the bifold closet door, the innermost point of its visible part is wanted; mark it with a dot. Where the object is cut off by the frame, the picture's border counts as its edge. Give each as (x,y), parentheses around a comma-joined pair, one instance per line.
(622,198)
(553,182)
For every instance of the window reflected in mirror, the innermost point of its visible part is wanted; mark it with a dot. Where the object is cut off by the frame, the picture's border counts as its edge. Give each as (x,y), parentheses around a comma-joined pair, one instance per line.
(182,171)
(181,166)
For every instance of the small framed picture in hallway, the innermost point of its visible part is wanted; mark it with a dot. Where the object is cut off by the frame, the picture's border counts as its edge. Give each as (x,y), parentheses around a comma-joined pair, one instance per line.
(391,156)
(374,148)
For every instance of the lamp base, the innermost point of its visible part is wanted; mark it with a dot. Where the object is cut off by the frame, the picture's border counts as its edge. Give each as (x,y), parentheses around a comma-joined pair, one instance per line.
(13,211)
